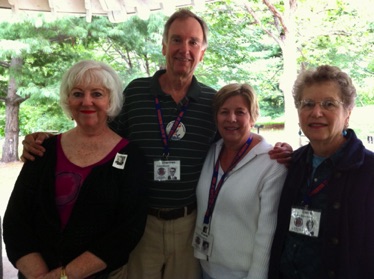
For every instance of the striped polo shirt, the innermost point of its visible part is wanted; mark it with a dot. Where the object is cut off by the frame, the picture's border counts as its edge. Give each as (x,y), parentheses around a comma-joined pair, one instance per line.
(138,122)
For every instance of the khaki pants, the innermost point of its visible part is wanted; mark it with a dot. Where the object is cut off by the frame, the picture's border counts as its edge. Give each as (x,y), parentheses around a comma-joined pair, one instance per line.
(165,250)
(120,273)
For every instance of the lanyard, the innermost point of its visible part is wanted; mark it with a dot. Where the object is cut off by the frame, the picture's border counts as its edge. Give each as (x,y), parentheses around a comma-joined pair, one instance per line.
(165,138)
(216,188)
(314,191)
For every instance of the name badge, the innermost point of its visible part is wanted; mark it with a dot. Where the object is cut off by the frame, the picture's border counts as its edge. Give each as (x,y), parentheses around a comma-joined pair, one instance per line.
(305,221)
(202,242)
(120,161)
(166,170)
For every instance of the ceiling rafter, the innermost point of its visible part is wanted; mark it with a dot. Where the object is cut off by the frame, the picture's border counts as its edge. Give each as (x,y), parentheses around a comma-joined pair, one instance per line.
(115,10)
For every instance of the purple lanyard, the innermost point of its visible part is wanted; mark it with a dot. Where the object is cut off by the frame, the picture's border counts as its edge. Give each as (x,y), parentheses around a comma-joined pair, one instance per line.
(165,138)
(216,188)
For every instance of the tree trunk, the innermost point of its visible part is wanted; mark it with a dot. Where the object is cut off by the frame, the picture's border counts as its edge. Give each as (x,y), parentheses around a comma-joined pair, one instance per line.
(289,51)
(289,75)
(285,26)
(291,127)
(12,103)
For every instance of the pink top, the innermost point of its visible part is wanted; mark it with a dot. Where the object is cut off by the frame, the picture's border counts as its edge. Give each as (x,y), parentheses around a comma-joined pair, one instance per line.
(70,178)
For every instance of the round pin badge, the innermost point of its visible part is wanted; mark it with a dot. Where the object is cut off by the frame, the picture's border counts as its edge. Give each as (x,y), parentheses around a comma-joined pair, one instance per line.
(179,132)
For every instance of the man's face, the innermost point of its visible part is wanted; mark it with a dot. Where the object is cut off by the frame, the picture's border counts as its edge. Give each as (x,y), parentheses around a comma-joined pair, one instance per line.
(184,48)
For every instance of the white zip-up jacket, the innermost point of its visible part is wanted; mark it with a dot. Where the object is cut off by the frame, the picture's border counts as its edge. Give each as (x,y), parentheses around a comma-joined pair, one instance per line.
(244,217)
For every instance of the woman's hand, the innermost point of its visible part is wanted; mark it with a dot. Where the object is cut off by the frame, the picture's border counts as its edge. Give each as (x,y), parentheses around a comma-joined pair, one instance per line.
(81,267)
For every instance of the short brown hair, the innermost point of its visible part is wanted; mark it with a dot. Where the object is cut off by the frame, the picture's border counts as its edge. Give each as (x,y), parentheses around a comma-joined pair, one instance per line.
(183,14)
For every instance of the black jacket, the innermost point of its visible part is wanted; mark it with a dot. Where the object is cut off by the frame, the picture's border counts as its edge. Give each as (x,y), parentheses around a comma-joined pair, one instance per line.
(108,218)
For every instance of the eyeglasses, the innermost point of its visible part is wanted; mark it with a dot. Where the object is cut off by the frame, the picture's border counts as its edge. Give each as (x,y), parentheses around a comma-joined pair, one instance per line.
(329,105)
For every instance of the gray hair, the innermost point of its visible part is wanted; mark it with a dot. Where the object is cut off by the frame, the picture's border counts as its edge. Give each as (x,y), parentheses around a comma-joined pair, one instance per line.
(326,73)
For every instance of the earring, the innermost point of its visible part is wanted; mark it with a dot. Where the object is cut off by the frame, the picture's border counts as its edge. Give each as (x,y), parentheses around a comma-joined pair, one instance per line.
(344,132)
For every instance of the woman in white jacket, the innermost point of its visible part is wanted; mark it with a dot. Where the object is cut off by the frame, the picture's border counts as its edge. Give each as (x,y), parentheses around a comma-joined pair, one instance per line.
(238,192)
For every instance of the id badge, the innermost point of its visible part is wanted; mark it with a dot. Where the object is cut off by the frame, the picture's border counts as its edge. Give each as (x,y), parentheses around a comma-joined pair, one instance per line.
(166,170)
(202,242)
(119,161)
(305,221)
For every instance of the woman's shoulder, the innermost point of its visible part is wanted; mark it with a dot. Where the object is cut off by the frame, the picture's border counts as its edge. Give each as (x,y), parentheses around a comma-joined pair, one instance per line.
(132,149)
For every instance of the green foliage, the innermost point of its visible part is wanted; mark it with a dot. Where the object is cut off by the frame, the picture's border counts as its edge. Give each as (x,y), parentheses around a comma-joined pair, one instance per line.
(334,32)
(2,119)
(239,52)
(48,117)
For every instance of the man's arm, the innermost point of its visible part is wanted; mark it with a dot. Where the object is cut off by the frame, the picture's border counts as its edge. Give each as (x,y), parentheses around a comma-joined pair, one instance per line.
(282,152)
(32,146)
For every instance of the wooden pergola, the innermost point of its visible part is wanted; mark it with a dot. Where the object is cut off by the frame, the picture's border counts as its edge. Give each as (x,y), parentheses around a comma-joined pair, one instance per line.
(115,10)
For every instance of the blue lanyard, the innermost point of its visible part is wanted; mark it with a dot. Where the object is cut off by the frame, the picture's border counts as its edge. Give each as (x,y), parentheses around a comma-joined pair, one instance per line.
(216,188)
(166,138)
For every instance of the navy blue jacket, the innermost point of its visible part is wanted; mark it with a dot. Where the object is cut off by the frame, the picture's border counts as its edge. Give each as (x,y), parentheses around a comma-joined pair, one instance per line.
(348,250)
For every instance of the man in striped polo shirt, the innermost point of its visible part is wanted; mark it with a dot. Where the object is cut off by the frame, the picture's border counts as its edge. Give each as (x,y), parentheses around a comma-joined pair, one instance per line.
(169,116)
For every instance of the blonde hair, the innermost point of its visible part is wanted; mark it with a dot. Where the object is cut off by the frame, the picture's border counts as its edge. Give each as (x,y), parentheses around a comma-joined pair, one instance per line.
(237,89)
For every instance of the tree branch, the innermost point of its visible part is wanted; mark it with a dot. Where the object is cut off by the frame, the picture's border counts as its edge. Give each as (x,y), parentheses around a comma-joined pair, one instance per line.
(125,55)
(257,21)
(277,14)
(4,64)
(366,70)
(327,34)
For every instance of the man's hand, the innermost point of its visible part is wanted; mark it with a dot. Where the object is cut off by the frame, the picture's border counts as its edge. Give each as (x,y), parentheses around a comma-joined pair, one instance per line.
(282,152)
(32,146)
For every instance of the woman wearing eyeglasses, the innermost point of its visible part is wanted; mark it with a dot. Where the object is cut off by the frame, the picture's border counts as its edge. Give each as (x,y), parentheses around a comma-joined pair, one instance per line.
(330,184)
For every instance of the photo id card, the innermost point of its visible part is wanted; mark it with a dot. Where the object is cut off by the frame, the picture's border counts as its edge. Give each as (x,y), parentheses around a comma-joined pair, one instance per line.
(202,243)
(120,161)
(166,170)
(305,221)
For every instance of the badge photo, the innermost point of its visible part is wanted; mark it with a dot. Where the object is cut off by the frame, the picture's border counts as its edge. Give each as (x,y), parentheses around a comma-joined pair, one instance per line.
(120,161)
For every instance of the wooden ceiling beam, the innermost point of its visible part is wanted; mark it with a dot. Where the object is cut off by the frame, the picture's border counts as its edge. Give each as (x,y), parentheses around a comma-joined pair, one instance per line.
(115,10)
